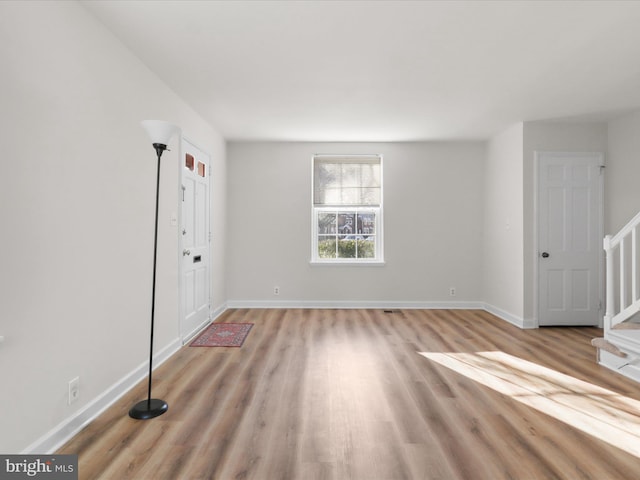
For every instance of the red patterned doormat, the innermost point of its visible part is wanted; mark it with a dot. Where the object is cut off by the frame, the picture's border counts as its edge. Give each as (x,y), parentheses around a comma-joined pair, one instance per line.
(223,335)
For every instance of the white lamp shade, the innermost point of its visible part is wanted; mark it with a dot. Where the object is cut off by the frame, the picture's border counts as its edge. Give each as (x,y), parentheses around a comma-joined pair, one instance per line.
(160,131)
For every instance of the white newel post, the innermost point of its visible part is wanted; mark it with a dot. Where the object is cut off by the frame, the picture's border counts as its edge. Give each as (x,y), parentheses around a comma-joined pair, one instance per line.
(609,283)
(634,262)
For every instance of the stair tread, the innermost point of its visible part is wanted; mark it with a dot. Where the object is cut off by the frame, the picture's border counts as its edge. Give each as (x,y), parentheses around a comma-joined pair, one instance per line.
(626,326)
(606,345)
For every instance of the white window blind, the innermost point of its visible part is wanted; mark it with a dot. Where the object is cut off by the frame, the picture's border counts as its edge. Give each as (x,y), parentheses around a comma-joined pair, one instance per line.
(347,181)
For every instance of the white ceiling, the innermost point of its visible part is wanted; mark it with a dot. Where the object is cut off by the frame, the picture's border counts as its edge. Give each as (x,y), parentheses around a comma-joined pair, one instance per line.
(385,70)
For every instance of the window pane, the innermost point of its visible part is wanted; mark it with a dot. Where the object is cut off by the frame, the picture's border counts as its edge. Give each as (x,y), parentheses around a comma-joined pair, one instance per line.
(347,247)
(347,223)
(189,161)
(366,223)
(346,234)
(367,247)
(327,223)
(326,246)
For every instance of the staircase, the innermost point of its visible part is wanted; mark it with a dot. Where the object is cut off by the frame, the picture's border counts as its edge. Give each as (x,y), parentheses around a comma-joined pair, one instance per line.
(619,350)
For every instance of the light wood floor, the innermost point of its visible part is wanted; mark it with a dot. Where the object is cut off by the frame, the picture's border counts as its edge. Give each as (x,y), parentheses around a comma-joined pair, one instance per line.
(344,394)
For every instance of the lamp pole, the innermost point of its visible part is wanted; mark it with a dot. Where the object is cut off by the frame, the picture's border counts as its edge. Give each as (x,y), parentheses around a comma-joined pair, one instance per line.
(154,407)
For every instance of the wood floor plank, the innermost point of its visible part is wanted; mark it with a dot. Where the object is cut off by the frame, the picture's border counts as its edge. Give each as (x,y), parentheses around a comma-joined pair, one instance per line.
(366,395)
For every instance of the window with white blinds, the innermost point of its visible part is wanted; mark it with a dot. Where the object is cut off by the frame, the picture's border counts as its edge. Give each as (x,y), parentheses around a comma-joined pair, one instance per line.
(347,209)
(351,181)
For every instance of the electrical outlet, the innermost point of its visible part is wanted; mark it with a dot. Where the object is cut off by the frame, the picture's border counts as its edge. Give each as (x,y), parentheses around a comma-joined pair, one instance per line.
(452,292)
(276,290)
(74,390)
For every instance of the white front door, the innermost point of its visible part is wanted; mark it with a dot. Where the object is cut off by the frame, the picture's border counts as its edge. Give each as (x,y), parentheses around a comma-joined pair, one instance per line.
(569,238)
(195,244)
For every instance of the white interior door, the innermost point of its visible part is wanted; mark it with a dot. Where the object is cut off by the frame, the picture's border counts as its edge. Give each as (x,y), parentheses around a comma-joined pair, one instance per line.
(195,234)
(569,238)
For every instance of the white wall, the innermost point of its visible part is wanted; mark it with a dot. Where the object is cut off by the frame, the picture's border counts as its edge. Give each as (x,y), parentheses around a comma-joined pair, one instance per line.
(509,254)
(503,226)
(432,219)
(622,194)
(77,180)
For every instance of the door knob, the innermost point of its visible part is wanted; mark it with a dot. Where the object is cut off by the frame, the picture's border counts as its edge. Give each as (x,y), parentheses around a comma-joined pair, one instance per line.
(545,255)
(186,252)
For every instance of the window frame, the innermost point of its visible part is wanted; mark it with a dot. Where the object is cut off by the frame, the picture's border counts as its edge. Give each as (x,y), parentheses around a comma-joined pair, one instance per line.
(377,210)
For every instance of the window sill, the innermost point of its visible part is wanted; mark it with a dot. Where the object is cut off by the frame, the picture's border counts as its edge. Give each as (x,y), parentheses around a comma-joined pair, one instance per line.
(347,263)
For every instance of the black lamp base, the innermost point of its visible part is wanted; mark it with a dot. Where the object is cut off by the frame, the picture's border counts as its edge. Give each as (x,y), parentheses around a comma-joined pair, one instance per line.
(147,409)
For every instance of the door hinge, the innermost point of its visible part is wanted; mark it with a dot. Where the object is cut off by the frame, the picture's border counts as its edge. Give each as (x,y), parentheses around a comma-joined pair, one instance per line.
(602,167)
(183,189)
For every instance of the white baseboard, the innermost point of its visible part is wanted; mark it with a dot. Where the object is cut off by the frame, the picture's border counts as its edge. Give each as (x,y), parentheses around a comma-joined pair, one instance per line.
(513,319)
(218,311)
(212,318)
(509,317)
(189,336)
(353,304)
(62,433)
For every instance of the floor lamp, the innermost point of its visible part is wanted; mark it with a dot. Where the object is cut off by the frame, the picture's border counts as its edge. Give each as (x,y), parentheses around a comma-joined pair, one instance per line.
(160,133)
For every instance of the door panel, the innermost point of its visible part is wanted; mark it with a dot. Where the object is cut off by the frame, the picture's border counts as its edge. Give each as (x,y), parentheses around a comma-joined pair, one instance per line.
(580,289)
(569,238)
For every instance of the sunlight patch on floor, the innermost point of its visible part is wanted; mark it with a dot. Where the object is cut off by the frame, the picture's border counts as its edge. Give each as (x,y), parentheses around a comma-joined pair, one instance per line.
(607,415)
